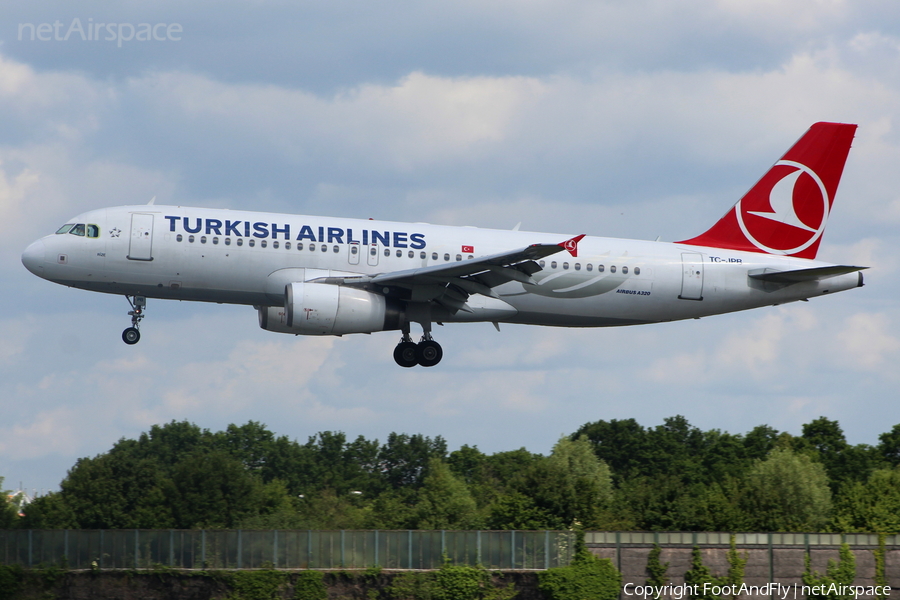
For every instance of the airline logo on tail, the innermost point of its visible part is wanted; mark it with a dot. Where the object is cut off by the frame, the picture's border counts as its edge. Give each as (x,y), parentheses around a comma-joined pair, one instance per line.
(786,211)
(798,206)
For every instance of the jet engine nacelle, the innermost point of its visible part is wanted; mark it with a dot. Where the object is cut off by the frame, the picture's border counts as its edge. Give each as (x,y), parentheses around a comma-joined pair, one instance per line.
(325,309)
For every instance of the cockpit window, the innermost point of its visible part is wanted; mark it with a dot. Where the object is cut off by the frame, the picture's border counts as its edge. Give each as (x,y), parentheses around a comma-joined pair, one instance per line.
(93,231)
(65,228)
(77,229)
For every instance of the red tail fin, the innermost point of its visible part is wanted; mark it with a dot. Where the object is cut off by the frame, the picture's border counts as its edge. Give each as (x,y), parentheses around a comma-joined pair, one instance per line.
(787,210)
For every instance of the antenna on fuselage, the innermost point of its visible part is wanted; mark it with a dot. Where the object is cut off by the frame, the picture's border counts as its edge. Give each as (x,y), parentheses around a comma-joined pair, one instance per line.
(152,200)
(516,228)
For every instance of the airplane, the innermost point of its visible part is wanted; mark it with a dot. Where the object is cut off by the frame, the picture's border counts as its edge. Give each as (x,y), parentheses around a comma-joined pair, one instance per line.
(312,275)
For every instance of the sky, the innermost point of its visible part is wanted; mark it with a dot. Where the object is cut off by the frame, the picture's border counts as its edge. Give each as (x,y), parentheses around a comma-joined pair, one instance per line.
(624,119)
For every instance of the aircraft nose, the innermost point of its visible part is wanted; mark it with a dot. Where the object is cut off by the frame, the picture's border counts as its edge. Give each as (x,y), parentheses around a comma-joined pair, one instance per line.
(33,258)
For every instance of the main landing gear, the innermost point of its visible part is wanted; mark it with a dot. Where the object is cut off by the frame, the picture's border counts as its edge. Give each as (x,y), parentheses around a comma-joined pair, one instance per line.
(132,335)
(426,353)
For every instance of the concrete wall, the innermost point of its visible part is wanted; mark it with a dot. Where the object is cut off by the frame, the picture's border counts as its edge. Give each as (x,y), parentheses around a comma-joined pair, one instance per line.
(781,564)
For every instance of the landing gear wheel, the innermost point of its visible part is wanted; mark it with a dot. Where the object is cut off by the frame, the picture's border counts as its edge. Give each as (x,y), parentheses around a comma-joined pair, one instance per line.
(429,353)
(131,336)
(405,354)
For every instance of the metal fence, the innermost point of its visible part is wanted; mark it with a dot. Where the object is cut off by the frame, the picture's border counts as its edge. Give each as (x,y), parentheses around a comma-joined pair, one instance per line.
(706,538)
(284,549)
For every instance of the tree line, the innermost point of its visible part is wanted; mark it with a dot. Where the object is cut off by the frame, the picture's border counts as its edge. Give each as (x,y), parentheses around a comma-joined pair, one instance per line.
(607,475)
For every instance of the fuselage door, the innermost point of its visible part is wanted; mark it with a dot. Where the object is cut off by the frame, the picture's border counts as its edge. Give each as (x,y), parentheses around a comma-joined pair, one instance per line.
(353,256)
(141,246)
(691,276)
(372,255)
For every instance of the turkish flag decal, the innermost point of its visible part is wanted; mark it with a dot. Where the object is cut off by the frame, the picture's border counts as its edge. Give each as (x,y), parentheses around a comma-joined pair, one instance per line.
(469,249)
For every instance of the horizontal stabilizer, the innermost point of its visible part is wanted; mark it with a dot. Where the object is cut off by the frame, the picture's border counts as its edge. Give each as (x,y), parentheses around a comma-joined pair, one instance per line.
(801,275)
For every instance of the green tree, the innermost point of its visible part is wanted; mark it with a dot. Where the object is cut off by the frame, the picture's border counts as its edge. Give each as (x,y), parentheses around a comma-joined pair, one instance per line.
(843,463)
(517,511)
(786,492)
(889,446)
(587,578)
(872,506)
(8,512)
(213,490)
(250,443)
(118,490)
(444,501)
(404,459)
(48,512)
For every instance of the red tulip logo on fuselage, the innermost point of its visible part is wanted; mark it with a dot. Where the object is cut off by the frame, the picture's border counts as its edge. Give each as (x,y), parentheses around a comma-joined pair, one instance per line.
(786,212)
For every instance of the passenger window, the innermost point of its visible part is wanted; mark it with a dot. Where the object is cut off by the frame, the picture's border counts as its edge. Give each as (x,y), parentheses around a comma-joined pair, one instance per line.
(77,230)
(373,251)
(637,270)
(300,246)
(600,268)
(274,244)
(387,251)
(354,249)
(335,249)
(565,266)
(422,255)
(553,264)
(612,268)
(93,231)
(399,253)
(227,241)
(446,256)
(411,254)
(202,239)
(191,239)
(458,258)
(577,266)
(625,269)
(65,228)
(240,241)
(263,244)
(215,240)
(434,256)
(287,245)
(542,263)
(324,248)
(590,267)
(251,242)
(179,237)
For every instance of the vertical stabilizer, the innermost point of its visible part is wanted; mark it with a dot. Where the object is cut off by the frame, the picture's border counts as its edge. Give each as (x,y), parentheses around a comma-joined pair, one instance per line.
(786,211)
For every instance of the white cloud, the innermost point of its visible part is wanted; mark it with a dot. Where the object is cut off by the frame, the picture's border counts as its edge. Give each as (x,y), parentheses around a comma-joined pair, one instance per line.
(869,344)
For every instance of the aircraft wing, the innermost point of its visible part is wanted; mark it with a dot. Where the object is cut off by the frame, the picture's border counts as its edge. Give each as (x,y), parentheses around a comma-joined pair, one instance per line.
(452,283)
(801,275)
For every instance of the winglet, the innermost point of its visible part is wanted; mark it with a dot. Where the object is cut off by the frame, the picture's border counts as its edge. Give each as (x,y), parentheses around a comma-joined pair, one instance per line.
(572,245)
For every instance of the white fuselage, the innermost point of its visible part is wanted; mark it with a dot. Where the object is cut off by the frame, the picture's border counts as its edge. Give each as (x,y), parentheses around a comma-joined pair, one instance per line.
(243,257)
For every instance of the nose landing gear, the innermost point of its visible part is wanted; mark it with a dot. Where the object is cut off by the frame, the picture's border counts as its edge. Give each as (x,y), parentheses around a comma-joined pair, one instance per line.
(426,353)
(132,335)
